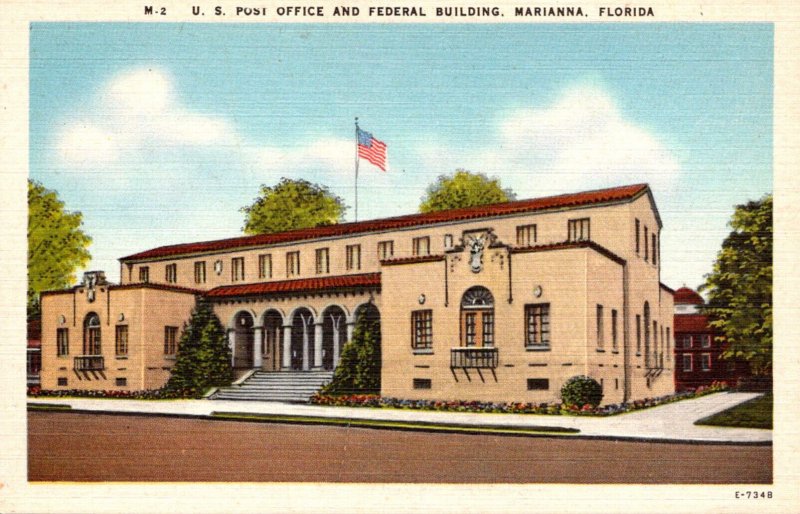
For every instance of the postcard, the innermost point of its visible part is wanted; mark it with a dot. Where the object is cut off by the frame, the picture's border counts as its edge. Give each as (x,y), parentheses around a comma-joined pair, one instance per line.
(412,256)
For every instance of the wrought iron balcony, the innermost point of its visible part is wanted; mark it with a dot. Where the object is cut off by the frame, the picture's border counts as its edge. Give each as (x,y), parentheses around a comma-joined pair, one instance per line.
(89,363)
(471,357)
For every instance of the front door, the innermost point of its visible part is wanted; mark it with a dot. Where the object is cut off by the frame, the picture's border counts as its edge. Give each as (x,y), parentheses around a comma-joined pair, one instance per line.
(477,328)
(243,353)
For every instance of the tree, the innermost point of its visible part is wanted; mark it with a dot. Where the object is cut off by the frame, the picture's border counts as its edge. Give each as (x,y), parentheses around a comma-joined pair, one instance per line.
(204,358)
(463,189)
(56,244)
(359,368)
(292,204)
(740,287)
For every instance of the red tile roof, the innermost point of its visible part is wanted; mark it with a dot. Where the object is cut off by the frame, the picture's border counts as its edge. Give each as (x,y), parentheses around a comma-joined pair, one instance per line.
(299,285)
(687,296)
(691,323)
(565,245)
(616,194)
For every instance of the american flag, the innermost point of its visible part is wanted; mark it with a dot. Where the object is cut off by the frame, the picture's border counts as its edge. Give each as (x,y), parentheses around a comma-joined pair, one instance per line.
(371,149)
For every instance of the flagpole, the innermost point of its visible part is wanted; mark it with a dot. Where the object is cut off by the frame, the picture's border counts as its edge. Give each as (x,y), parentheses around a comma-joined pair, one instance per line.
(356,189)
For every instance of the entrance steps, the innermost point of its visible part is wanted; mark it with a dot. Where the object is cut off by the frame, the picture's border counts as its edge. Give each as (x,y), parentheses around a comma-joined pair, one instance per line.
(277,386)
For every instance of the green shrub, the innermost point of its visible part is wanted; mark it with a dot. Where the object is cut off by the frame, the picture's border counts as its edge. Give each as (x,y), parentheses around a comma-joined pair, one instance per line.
(359,368)
(581,390)
(204,358)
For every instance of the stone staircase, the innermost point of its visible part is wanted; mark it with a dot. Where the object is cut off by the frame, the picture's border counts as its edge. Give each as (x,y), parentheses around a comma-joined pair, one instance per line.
(282,386)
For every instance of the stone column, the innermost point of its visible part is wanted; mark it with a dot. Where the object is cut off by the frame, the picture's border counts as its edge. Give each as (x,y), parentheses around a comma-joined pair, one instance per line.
(350,328)
(306,323)
(258,355)
(287,348)
(318,346)
(336,342)
(232,345)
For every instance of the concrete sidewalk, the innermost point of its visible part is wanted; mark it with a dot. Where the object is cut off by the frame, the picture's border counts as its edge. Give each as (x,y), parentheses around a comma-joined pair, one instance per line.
(671,422)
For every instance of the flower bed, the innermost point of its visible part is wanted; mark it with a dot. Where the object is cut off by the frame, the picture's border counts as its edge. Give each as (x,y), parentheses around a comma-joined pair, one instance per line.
(149,394)
(376,401)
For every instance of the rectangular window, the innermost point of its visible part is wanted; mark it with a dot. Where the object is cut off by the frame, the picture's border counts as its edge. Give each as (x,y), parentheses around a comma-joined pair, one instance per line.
(669,345)
(171,273)
(144,274)
(322,260)
(706,338)
(706,361)
(600,328)
(237,269)
(265,265)
(62,341)
(292,264)
(62,381)
(353,254)
(638,334)
(579,230)
(488,328)
(538,384)
(422,329)
(537,321)
(422,383)
(637,236)
(448,241)
(121,340)
(170,341)
(614,330)
(121,382)
(686,341)
(655,248)
(469,328)
(421,246)
(385,250)
(687,362)
(526,235)
(646,254)
(200,272)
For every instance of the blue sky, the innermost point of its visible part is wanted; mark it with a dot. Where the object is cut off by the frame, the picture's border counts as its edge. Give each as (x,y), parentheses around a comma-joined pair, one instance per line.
(159,133)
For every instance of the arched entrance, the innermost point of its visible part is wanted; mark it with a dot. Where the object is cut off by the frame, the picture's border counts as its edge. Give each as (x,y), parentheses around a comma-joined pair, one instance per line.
(477,318)
(244,336)
(271,343)
(302,338)
(333,336)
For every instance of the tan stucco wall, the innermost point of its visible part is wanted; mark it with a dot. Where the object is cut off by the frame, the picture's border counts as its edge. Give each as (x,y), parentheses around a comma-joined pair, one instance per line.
(146,311)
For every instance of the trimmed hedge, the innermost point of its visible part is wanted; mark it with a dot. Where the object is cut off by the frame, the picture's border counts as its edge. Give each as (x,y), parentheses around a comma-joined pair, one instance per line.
(582,390)
(148,394)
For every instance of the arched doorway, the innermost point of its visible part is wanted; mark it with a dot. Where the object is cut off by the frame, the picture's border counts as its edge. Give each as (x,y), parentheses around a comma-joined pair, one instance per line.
(302,339)
(91,335)
(333,336)
(477,318)
(244,336)
(271,343)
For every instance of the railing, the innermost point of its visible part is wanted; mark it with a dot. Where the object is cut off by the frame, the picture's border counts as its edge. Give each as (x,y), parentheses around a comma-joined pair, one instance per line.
(89,363)
(473,358)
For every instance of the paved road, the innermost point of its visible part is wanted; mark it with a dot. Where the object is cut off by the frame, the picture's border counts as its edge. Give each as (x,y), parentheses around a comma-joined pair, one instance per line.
(97,447)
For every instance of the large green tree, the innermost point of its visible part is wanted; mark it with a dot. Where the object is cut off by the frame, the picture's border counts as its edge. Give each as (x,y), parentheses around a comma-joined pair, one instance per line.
(292,204)
(740,287)
(464,189)
(204,358)
(56,244)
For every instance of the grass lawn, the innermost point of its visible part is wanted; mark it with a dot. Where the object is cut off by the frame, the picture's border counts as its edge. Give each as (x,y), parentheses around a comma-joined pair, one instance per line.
(757,413)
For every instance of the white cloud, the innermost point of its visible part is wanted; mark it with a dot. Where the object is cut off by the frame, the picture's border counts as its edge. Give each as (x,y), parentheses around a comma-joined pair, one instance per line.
(579,141)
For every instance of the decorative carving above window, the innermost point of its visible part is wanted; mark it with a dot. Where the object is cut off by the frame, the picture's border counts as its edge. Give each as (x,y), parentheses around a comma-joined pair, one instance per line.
(477,297)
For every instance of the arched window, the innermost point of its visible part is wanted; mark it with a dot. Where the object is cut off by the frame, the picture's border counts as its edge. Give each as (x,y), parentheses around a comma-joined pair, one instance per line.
(477,318)
(91,335)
